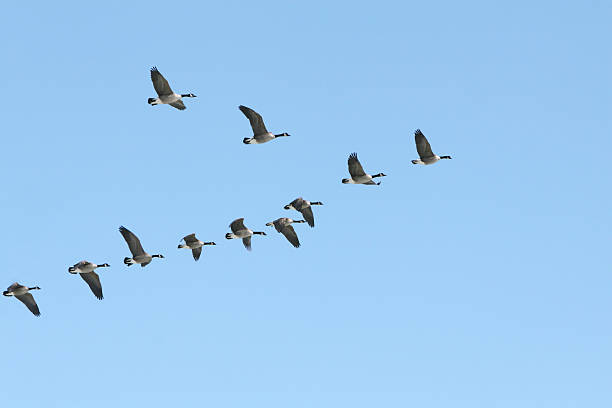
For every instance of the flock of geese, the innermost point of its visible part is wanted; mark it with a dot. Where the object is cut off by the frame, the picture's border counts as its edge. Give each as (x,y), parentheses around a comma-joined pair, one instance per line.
(165,95)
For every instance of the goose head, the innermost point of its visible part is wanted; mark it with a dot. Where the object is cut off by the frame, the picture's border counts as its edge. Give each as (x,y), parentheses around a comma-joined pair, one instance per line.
(189,95)
(72,269)
(346,181)
(287,207)
(157,256)
(282,134)
(104,265)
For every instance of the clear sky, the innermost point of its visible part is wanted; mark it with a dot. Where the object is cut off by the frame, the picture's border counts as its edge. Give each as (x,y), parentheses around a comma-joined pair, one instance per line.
(482,281)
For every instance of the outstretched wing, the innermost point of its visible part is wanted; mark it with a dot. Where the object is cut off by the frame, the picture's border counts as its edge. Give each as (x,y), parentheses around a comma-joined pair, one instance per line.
(354,166)
(247,243)
(93,280)
(196,253)
(190,238)
(422,145)
(237,225)
(257,123)
(28,300)
(291,236)
(159,83)
(308,215)
(132,241)
(178,105)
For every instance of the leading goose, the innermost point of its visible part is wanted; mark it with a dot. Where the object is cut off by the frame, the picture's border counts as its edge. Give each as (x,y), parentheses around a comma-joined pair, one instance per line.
(426,156)
(358,175)
(240,231)
(283,225)
(191,242)
(260,133)
(21,293)
(86,270)
(139,256)
(303,206)
(165,95)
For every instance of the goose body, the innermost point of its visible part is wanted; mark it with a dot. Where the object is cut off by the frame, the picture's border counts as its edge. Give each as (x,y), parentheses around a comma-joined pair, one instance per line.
(22,293)
(165,94)
(304,207)
(283,225)
(242,232)
(191,242)
(86,270)
(260,133)
(139,256)
(426,155)
(358,175)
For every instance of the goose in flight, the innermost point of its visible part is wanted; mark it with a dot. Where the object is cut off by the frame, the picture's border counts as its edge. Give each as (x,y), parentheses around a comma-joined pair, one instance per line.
(260,133)
(86,270)
(283,225)
(165,95)
(22,294)
(240,231)
(303,206)
(139,256)
(358,175)
(426,156)
(191,242)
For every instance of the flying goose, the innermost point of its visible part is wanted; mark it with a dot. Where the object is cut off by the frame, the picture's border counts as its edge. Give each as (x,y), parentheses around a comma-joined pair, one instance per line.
(283,225)
(303,206)
(260,133)
(240,231)
(165,93)
(424,149)
(191,242)
(139,256)
(21,293)
(358,176)
(86,270)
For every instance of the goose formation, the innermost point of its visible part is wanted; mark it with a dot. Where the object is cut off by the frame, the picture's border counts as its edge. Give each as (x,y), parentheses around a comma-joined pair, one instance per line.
(283,225)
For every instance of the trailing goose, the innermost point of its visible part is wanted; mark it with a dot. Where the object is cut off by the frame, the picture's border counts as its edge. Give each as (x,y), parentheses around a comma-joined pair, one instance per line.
(358,175)
(191,242)
(240,231)
(86,270)
(283,225)
(139,256)
(22,294)
(426,156)
(303,206)
(165,95)
(260,133)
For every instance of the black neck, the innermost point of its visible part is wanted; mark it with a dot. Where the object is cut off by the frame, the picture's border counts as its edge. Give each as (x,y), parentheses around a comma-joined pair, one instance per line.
(316,203)
(445,157)
(34,288)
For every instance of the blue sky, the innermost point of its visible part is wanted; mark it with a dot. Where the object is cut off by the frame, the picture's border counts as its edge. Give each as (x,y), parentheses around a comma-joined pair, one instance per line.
(483,281)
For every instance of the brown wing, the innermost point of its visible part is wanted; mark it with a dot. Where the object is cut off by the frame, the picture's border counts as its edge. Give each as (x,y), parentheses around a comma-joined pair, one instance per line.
(422,145)
(308,215)
(237,225)
(291,236)
(354,166)
(178,105)
(247,243)
(93,280)
(190,238)
(28,300)
(132,241)
(196,253)
(257,123)
(162,87)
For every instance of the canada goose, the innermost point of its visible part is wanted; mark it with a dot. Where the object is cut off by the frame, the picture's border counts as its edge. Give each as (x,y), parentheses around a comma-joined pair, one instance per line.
(21,293)
(283,225)
(303,206)
(165,93)
(240,231)
(191,242)
(86,270)
(358,176)
(139,256)
(260,133)
(424,149)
